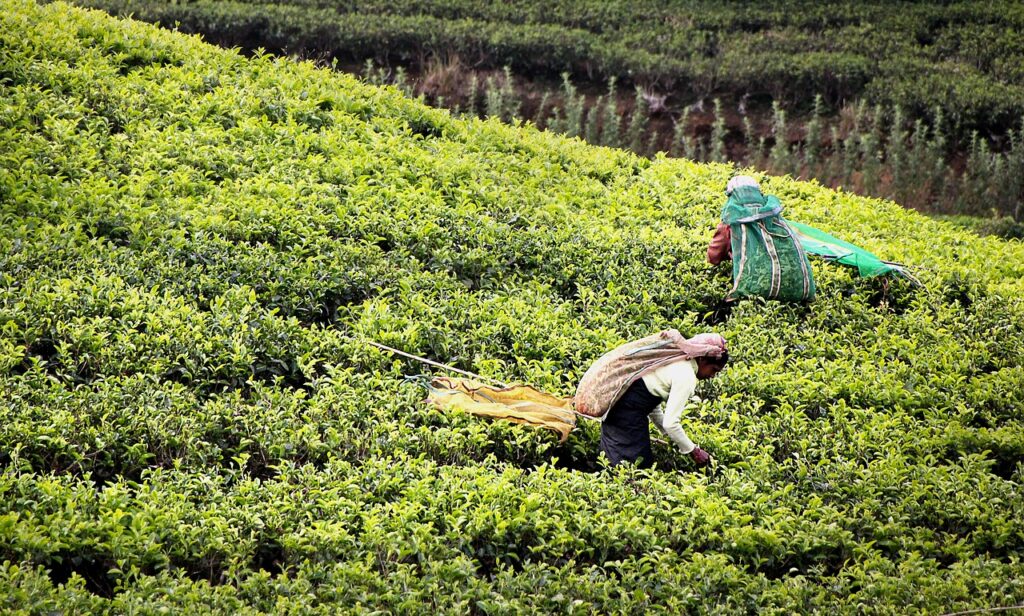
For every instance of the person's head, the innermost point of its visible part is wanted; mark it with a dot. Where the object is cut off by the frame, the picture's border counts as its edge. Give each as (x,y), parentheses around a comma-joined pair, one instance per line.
(740,180)
(708,366)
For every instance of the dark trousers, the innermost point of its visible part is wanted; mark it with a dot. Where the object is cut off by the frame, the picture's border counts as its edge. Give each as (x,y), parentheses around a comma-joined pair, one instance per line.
(625,431)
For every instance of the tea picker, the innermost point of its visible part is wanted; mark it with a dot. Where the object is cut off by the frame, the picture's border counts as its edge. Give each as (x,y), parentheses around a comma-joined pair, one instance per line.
(768,259)
(623,390)
(769,252)
(626,386)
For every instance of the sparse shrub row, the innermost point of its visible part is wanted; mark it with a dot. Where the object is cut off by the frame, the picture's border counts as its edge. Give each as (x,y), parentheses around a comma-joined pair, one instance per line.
(193,244)
(879,152)
(873,151)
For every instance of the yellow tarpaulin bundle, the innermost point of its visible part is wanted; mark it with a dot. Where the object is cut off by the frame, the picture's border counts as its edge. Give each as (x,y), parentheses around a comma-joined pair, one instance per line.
(518,403)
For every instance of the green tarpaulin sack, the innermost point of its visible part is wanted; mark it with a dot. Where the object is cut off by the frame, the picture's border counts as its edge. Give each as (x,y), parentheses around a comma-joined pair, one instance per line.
(817,242)
(767,259)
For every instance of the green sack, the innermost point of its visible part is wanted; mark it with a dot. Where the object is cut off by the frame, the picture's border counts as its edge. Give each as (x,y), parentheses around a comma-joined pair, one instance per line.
(817,242)
(767,259)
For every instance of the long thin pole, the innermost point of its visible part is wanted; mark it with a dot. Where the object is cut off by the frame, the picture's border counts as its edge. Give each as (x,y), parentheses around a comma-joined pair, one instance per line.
(987,610)
(432,362)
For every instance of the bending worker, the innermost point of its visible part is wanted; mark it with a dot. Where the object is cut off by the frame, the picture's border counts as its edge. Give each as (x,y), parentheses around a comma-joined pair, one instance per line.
(769,260)
(626,385)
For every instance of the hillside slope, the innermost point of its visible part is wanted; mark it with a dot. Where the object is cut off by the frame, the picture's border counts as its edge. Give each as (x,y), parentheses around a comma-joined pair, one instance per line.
(193,242)
(963,58)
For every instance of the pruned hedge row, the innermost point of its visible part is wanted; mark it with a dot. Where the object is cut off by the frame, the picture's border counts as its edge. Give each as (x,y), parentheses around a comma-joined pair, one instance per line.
(194,245)
(961,58)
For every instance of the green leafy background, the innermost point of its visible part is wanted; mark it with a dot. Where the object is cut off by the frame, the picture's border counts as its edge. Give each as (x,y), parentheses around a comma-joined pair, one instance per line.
(194,245)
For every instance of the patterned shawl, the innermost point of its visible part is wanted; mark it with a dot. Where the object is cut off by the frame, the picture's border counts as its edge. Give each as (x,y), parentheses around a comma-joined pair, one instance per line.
(609,377)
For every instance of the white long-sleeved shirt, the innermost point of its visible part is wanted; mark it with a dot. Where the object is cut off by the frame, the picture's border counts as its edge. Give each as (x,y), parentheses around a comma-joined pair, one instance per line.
(674,383)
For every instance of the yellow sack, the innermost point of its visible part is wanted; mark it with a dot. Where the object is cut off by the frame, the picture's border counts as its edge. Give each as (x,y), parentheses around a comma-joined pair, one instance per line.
(519,403)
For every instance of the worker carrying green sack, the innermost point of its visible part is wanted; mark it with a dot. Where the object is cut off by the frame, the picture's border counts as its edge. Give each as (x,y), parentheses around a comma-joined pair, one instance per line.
(624,388)
(768,259)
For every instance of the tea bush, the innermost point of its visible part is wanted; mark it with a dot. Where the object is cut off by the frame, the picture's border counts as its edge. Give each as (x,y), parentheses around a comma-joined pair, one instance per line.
(195,245)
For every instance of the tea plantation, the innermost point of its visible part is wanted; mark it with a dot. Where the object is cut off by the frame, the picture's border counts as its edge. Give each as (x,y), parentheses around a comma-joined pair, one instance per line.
(193,246)
(962,59)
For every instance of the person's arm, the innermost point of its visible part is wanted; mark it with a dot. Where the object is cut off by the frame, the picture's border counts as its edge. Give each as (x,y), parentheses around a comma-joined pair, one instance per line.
(684,382)
(720,248)
(658,418)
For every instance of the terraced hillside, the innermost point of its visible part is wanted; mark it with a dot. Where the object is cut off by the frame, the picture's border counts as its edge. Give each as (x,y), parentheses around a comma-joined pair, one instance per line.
(193,245)
(962,58)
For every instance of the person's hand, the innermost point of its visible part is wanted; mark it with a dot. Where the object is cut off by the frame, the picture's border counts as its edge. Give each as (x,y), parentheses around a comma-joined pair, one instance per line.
(700,457)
